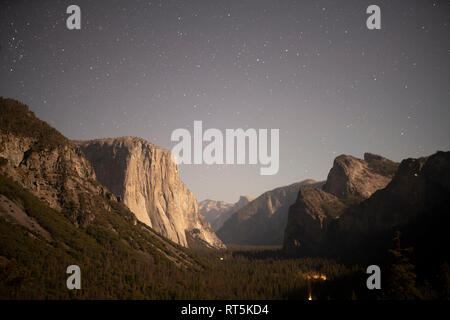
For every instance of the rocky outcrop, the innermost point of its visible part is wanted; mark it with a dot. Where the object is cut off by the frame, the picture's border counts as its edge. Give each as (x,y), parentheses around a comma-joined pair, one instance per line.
(262,221)
(416,201)
(353,177)
(146,179)
(350,181)
(44,162)
(217,212)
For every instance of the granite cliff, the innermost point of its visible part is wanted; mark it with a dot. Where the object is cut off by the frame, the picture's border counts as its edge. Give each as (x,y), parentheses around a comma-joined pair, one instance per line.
(43,161)
(56,170)
(354,177)
(146,179)
(349,182)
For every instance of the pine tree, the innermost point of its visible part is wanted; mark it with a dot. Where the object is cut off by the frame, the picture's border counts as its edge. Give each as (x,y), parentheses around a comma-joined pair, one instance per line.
(401,283)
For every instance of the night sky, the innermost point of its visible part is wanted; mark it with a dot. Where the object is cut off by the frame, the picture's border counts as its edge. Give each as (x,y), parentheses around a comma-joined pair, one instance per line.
(310,68)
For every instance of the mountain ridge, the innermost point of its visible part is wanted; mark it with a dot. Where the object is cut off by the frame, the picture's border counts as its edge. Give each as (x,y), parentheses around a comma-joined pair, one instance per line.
(217,212)
(56,170)
(263,220)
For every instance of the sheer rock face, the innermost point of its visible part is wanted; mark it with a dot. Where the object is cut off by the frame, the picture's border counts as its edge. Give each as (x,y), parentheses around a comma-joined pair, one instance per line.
(58,174)
(262,221)
(146,179)
(350,181)
(217,212)
(309,218)
(351,176)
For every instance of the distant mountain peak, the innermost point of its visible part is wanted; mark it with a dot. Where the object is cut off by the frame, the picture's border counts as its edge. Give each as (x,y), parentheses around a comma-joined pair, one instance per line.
(263,220)
(218,212)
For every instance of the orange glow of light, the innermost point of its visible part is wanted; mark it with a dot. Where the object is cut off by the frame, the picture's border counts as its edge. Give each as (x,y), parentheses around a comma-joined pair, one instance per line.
(316,276)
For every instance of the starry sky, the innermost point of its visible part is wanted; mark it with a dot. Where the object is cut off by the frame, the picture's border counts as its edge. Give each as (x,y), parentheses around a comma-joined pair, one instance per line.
(309,68)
